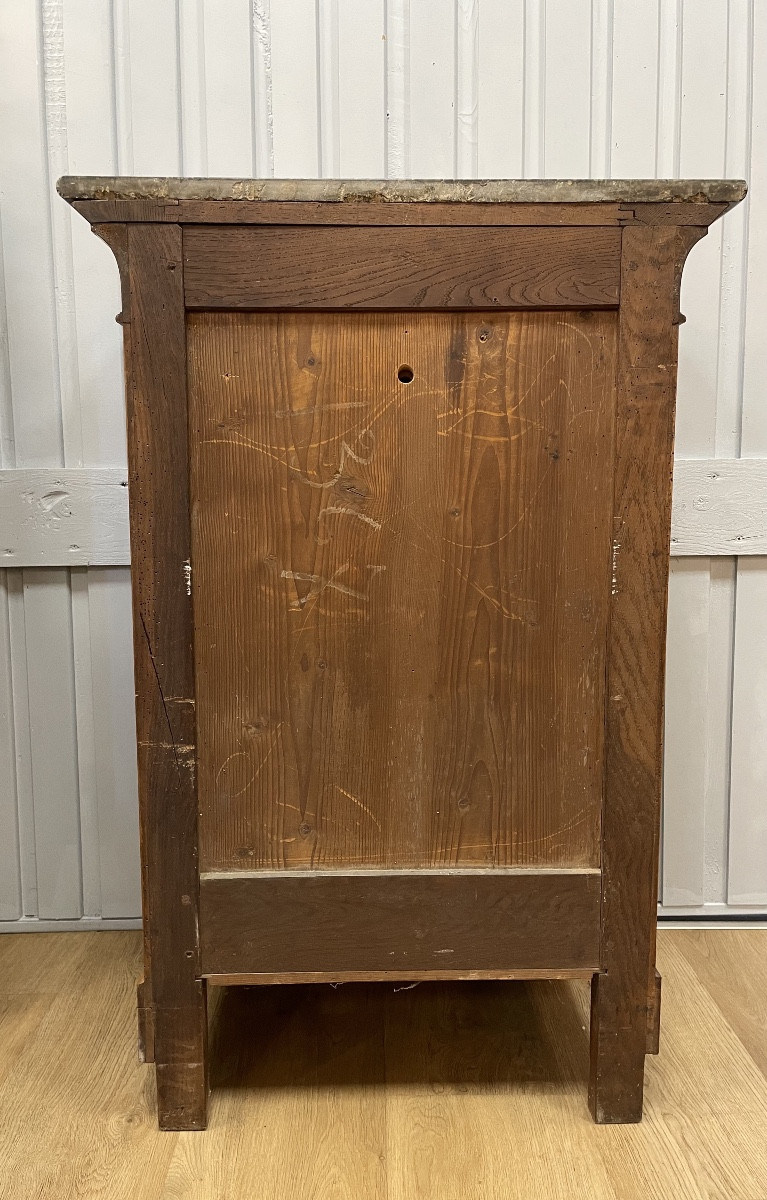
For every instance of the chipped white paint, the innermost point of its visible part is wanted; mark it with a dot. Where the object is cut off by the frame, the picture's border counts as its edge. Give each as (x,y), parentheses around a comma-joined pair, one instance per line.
(73,517)
(501,88)
(720,506)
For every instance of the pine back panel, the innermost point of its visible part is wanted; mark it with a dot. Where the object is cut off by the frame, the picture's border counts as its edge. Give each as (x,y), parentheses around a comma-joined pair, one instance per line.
(400,588)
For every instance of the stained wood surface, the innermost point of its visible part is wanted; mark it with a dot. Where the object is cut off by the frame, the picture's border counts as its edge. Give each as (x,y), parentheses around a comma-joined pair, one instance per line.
(381,1091)
(304,212)
(275,212)
(401,268)
(164,670)
(269,978)
(408,920)
(400,589)
(652,261)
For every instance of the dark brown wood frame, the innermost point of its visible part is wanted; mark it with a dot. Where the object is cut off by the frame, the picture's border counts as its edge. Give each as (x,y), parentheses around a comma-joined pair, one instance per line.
(638,251)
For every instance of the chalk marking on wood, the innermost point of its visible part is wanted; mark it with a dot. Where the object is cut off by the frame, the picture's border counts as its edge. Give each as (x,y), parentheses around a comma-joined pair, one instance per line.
(349,512)
(359,804)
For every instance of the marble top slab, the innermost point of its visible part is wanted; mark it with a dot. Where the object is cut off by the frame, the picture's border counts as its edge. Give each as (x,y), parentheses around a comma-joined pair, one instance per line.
(388,191)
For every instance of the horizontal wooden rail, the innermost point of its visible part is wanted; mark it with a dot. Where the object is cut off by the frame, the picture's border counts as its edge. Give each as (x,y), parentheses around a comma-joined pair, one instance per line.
(385,921)
(401,268)
(78,516)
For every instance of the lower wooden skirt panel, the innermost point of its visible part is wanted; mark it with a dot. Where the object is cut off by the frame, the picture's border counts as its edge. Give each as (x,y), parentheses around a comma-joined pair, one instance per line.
(399,923)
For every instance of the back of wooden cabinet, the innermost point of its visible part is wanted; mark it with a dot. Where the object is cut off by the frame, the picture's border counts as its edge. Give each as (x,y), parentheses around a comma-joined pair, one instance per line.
(401,568)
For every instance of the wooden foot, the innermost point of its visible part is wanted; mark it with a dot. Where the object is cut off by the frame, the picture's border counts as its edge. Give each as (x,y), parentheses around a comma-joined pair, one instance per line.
(145,1013)
(653,1016)
(618,1045)
(181,1064)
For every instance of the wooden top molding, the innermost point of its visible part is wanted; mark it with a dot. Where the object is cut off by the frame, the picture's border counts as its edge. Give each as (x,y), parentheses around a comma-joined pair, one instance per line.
(102,199)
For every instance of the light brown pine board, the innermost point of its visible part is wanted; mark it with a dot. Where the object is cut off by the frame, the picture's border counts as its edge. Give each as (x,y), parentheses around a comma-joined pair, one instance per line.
(416,580)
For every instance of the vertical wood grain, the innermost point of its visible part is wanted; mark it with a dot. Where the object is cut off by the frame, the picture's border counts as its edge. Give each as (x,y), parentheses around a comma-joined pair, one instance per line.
(421,580)
(651,262)
(164,666)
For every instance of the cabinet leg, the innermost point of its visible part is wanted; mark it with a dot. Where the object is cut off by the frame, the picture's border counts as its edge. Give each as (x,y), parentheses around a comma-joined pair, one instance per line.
(181,1065)
(618,1046)
(145,1013)
(653,1014)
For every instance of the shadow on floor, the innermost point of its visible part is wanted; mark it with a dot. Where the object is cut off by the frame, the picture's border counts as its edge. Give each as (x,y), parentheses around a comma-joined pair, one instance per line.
(451,1035)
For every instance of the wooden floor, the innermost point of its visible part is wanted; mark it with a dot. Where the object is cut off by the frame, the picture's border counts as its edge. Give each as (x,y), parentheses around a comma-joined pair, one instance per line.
(369,1091)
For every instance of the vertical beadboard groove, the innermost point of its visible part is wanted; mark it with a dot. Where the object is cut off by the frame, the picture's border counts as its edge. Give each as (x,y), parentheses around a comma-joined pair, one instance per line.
(10,866)
(727,436)
(263,122)
(11,907)
(122,87)
(327,84)
(457,86)
(466,83)
(600,132)
(25,797)
(747,874)
(667,149)
(669,104)
(191,68)
(18,897)
(534,116)
(397,89)
(72,436)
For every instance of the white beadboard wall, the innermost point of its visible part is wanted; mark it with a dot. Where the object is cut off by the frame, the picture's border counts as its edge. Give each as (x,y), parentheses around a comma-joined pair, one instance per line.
(420,88)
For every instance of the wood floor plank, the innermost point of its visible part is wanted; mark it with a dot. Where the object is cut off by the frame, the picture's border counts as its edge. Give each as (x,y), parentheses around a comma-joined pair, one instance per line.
(478,1101)
(299,1101)
(466,1091)
(21,1014)
(52,962)
(76,1110)
(734,970)
(702,1137)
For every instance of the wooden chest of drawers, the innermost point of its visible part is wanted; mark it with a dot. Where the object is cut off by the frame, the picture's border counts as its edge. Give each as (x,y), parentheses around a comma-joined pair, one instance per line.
(400,478)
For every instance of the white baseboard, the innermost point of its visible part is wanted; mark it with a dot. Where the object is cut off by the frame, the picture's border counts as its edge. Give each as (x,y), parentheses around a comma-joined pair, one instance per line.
(78,925)
(742,913)
(705,916)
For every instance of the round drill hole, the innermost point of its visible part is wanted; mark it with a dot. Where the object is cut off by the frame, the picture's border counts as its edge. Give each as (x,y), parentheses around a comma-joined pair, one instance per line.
(405,374)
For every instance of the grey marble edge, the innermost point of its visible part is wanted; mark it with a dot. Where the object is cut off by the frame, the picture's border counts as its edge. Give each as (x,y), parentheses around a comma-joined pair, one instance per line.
(392,191)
